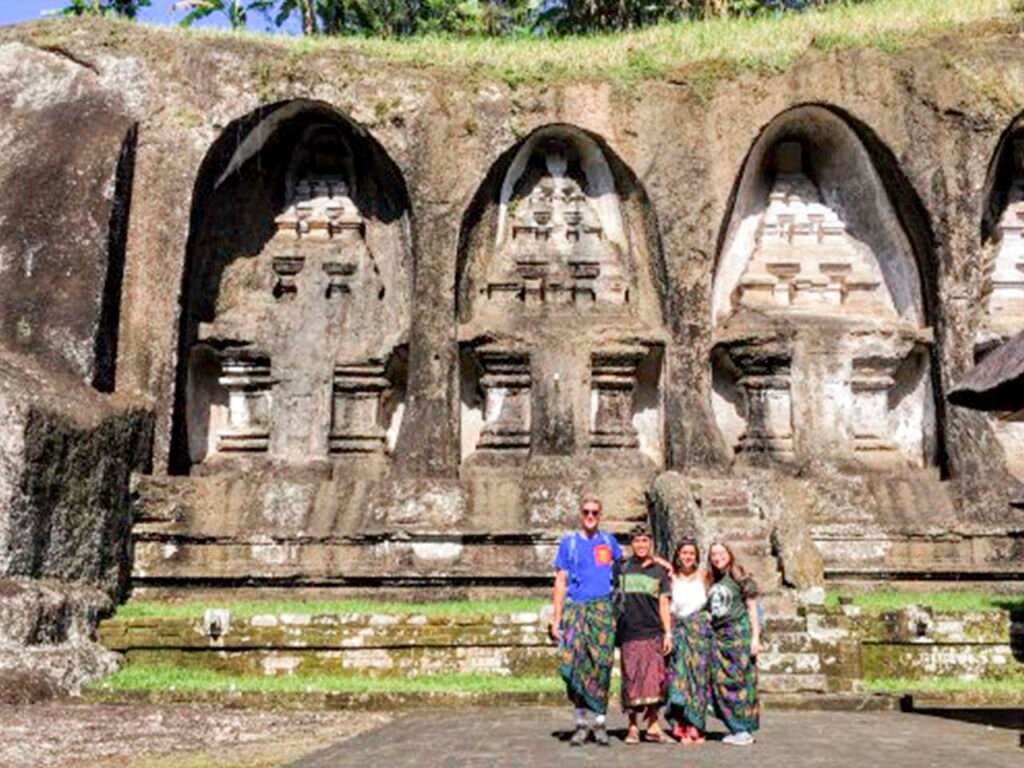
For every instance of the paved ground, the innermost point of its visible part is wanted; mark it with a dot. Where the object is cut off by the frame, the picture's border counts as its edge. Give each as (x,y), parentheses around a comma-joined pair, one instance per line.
(535,738)
(85,735)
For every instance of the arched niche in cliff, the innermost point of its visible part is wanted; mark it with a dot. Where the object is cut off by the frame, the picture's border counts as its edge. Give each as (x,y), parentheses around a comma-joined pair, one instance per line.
(560,301)
(296,297)
(1002,244)
(819,304)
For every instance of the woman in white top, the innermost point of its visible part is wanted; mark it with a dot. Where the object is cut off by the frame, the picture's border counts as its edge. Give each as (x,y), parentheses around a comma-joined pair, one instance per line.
(688,677)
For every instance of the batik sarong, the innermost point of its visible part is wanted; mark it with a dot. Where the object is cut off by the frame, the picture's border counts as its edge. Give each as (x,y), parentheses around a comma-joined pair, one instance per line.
(734,676)
(587,652)
(688,669)
(643,673)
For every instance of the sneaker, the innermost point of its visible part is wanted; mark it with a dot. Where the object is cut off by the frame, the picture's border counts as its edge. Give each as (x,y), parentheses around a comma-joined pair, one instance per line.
(601,735)
(579,737)
(741,739)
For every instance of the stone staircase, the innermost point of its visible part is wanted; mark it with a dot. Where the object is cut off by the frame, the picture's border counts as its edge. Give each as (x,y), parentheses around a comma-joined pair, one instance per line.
(726,514)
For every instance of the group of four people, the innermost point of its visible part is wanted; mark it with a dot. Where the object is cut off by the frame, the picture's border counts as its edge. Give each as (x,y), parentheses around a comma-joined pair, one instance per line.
(688,637)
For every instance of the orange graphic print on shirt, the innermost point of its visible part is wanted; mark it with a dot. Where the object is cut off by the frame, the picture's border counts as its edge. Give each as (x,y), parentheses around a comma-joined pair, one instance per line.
(602,554)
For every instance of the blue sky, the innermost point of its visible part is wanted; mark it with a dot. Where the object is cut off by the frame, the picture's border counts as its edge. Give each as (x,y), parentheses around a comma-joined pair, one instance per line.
(159,12)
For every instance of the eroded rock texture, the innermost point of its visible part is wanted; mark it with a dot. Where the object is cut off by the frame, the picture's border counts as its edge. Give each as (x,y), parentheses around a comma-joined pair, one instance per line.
(47,639)
(392,322)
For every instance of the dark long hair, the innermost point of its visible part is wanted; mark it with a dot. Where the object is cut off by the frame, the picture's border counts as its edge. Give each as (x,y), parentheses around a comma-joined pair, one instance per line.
(677,565)
(738,573)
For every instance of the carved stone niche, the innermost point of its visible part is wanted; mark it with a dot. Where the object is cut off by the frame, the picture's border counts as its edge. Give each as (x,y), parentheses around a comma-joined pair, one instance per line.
(763,375)
(248,382)
(1006,302)
(556,249)
(286,268)
(505,382)
(803,259)
(357,410)
(613,384)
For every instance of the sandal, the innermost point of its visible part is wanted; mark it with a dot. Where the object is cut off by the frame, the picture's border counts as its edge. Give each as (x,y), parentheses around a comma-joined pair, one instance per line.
(656,737)
(632,736)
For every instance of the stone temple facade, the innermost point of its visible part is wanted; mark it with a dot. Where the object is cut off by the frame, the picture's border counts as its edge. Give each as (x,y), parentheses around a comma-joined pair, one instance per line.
(312,322)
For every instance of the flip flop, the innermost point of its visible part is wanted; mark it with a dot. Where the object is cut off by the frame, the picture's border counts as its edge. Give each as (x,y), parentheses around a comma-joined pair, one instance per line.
(658,737)
(632,737)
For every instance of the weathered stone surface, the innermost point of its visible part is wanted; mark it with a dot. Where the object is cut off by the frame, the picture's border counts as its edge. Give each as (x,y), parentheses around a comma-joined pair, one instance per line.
(66,456)
(270,188)
(67,463)
(47,632)
(68,132)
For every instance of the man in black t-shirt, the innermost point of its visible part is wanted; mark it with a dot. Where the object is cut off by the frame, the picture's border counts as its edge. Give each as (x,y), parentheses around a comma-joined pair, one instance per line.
(644,631)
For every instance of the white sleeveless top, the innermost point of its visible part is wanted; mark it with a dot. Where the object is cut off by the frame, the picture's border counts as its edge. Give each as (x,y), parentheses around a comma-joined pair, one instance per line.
(688,596)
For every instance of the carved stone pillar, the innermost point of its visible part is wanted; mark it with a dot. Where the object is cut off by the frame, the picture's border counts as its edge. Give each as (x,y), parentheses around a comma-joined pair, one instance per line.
(612,391)
(248,383)
(507,412)
(356,410)
(873,378)
(765,381)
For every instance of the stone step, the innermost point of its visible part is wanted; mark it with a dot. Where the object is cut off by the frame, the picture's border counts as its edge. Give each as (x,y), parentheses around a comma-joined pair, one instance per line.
(734,498)
(392,701)
(729,511)
(425,559)
(800,663)
(742,531)
(787,642)
(779,625)
(780,605)
(789,683)
(837,702)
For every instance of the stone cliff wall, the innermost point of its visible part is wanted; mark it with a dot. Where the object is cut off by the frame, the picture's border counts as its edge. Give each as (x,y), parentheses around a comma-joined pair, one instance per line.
(314,176)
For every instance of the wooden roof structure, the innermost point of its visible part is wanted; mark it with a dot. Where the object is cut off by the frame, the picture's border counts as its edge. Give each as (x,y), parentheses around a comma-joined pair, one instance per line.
(997,382)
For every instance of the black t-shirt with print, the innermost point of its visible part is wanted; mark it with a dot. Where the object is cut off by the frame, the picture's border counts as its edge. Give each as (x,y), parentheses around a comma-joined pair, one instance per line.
(639,587)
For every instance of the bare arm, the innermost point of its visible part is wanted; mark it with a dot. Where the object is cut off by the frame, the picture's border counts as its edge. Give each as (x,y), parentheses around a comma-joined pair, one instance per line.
(665,613)
(558,602)
(755,627)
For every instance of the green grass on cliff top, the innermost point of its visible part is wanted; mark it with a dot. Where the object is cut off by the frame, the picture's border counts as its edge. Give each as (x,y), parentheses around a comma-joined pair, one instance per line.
(187,609)
(729,45)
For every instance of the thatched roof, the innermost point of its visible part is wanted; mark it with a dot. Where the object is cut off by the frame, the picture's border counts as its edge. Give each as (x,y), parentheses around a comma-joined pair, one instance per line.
(997,382)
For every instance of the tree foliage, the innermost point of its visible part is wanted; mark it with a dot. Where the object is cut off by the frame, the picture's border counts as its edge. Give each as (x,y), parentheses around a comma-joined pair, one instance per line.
(407,18)
(236,11)
(126,8)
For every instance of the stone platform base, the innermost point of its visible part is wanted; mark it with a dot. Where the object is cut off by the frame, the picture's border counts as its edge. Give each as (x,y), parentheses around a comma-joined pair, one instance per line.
(813,651)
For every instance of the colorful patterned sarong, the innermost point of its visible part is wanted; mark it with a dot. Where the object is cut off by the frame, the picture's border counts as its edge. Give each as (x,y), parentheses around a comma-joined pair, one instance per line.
(587,652)
(734,676)
(688,669)
(643,673)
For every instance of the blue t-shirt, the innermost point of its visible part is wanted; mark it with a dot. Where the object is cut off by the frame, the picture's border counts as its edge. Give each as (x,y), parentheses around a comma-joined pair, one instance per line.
(588,563)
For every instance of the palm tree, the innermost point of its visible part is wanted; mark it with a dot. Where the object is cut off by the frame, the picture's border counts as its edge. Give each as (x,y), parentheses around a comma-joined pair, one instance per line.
(126,8)
(237,11)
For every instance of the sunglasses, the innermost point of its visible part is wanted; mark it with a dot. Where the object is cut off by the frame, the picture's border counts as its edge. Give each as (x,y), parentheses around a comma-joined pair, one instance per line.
(590,512)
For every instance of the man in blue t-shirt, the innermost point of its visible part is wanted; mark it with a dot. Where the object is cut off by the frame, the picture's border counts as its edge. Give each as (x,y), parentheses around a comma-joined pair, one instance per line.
(583,622)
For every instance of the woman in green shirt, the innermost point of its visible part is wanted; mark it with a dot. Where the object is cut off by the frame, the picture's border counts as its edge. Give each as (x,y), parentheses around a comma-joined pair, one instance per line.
(732,600)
